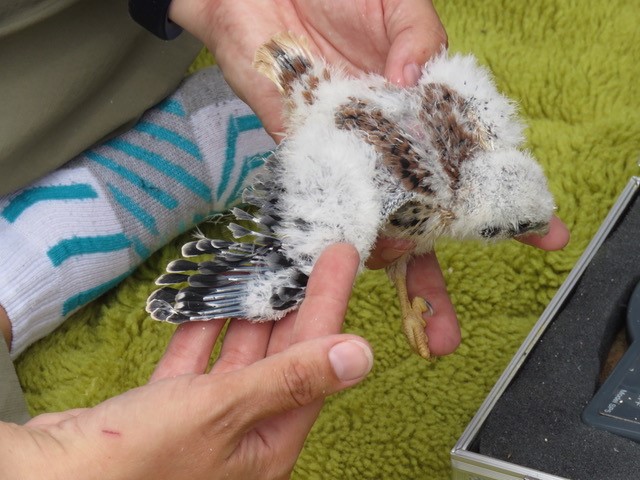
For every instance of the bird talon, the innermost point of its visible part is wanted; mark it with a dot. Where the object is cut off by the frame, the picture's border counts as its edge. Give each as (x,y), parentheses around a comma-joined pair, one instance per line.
(414,323)
(421,305)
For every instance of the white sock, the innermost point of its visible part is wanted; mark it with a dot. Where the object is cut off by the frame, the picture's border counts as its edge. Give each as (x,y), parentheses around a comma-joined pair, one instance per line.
(82,229)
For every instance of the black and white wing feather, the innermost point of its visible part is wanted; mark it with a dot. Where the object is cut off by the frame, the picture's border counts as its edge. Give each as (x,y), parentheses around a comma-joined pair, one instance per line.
(251,279)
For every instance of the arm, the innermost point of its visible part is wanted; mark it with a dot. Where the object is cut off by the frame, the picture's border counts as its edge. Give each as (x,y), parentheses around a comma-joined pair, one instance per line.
(247,418)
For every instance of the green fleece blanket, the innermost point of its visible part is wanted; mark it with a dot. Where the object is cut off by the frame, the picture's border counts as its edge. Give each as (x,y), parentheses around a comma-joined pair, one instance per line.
(574,68)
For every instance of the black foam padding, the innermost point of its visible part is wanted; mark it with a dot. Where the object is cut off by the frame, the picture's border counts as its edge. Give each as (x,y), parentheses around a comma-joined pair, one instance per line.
(536,422)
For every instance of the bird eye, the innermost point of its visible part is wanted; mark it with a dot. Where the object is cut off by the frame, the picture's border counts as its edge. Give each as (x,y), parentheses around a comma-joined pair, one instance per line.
(490,232)
(523,227)
(539,228)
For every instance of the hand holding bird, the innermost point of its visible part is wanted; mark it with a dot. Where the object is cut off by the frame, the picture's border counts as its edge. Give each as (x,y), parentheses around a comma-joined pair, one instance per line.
(363,157)
(393,38)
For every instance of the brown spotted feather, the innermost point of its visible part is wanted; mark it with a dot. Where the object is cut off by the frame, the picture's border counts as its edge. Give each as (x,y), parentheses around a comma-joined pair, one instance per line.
(456,132)
(395,148)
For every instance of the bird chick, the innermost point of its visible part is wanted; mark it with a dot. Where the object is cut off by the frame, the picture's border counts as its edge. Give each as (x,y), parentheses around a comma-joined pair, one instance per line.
(360,158)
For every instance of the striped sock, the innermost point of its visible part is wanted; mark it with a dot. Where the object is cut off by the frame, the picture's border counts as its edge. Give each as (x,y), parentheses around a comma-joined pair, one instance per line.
(82,229)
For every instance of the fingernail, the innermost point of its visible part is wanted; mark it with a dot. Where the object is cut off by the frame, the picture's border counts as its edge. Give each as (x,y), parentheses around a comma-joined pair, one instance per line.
(411,73)
(392,254)
(351,360)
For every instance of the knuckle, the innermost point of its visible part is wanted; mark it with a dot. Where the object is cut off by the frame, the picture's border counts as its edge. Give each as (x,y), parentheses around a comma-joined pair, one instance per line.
(232,359)
(298,384)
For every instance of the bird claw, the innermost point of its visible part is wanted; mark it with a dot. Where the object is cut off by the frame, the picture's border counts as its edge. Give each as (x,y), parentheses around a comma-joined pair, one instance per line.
(413,324)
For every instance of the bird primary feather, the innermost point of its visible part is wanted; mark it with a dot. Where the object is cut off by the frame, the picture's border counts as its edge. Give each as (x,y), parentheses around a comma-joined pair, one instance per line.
(361,158)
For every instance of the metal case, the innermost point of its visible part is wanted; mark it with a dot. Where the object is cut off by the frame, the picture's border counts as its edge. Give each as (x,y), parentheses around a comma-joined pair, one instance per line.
(468,464)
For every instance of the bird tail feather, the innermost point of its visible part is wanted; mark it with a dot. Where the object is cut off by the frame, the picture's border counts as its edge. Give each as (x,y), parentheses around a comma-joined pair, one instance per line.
(284,59)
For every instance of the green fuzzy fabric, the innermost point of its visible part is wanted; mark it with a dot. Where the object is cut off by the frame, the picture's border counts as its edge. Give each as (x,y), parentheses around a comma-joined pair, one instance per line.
(574,68)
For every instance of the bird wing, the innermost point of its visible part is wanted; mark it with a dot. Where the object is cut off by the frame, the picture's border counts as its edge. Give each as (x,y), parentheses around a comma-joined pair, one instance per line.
(216,277)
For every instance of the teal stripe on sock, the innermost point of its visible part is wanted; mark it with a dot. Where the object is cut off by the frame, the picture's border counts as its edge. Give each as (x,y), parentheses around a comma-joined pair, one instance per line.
(70,247)
(237,125)
(172,106)
(248,122)
(198,218)
(31,196)
(140,248)
(170,136)
(250,164)
(134,209)
(82,298)
(163,165)
(149,188)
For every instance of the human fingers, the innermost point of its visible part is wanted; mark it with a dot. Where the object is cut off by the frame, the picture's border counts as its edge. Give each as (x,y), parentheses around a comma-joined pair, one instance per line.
(325,305)
(300,375)
(556,239)
(416,34)
(387,251)
(189,349)
(327,295)
(244,343)
(425,279)
(287,432)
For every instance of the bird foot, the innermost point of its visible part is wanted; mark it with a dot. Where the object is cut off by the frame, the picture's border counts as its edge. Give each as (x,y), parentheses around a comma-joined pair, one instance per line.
(413,324)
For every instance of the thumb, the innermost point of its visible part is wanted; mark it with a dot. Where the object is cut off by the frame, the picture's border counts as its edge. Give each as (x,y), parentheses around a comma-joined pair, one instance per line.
(301,374)
(416,34)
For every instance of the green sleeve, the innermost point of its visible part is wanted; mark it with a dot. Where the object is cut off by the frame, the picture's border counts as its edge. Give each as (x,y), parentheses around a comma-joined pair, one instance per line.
(13,407)
(74,72)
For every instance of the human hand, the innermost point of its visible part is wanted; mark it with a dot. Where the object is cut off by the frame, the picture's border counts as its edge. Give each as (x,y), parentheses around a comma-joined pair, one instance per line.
(390,37)
(425,279)
(247,418)
(393,38)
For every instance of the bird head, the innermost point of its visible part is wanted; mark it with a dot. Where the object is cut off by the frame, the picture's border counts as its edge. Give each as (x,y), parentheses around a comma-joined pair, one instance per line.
(501,194)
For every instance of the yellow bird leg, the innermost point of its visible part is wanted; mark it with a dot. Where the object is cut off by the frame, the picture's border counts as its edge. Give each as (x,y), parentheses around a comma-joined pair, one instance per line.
(413,322)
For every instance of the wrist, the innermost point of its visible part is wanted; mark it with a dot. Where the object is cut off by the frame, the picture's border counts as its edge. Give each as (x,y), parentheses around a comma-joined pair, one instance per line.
(232,32)
(198,17)
(26,453)
(49,450)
